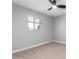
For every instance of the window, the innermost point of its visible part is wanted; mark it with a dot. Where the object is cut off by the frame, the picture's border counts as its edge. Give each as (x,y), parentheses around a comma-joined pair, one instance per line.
(33,23)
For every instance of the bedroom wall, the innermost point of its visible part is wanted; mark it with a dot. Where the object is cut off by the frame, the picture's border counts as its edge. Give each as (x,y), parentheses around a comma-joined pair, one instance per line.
(60,28)
(23,37)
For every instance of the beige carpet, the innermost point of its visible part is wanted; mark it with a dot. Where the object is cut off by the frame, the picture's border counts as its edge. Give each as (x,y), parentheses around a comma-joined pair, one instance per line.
(47,51)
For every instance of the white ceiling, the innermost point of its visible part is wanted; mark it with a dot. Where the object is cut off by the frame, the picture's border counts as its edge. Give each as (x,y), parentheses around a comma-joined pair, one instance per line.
(42,6)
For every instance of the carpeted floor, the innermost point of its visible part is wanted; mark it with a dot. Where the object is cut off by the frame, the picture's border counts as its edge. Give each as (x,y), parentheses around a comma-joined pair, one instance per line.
(47,51)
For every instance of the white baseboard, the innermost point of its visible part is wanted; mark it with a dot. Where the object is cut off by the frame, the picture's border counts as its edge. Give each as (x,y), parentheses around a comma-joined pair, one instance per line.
(36,46)
(60,42)
(31,46)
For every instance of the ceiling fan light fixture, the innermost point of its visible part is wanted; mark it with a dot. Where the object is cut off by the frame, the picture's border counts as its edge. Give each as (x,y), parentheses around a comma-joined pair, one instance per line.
(54,6)
(52,0)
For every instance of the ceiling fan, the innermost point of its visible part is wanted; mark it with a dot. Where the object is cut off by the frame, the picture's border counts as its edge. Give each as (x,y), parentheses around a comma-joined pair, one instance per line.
(53,2)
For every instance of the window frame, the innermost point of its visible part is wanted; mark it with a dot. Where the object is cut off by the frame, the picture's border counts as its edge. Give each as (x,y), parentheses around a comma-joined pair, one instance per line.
(35,27)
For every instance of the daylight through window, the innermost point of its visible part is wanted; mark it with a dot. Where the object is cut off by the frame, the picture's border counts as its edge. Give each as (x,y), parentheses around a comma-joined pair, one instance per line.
(33,23)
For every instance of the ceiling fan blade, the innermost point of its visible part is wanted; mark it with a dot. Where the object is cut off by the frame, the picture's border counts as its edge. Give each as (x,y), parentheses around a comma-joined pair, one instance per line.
(50,8)
(61,6)
(52,2)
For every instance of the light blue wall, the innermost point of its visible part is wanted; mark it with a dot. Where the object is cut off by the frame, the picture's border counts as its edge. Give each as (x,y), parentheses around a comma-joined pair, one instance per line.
(22,37)
(60,28)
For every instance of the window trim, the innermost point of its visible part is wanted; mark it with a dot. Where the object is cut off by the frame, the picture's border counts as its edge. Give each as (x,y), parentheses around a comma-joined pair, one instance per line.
(34,23)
